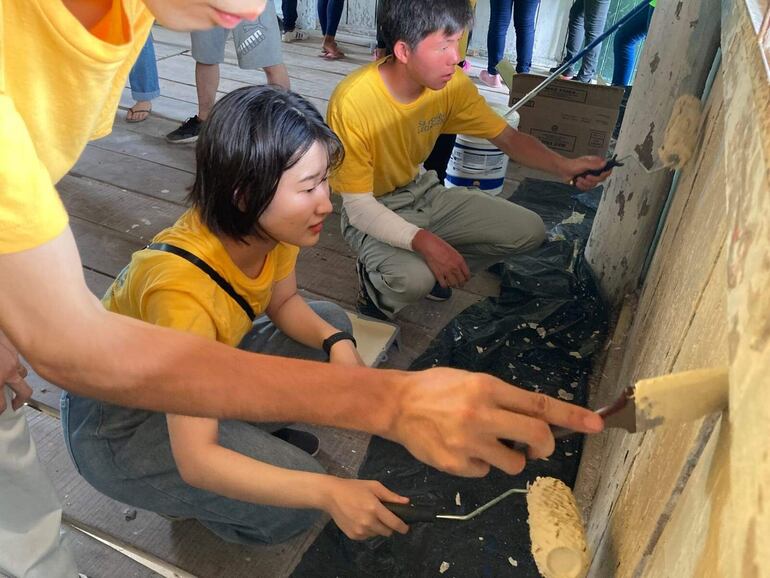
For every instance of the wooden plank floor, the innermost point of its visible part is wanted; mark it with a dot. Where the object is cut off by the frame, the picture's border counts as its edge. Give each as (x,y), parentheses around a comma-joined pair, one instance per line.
(126,188)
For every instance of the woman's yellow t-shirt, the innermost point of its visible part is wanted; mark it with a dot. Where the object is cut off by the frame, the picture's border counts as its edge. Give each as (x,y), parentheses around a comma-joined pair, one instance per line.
(166,289)
(59,87)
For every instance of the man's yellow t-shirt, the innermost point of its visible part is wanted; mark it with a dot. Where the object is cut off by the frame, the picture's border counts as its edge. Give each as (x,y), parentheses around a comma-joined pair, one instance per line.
(166,289)
(386,141)
(59,87)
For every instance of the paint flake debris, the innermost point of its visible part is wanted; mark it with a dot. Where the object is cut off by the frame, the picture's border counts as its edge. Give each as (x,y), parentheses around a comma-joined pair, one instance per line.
(512,562)
(576,354)
(443,568)
(568,454)
(146,221)
(457,499)
(164,190)
(541,332)
(479,349)
(574,219)
(564,394)
(481,538)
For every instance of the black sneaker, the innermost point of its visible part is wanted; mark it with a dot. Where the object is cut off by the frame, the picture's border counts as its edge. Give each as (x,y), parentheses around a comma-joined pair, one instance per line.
(439,293)
(303,440)
(188,132)
(565,75)
(364,304)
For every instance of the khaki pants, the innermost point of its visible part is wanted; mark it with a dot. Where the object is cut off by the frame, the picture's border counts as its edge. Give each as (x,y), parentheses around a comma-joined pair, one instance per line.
(482,228)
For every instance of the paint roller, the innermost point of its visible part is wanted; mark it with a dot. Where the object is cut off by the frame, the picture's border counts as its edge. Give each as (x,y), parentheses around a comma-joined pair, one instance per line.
(555,525)
(679,140)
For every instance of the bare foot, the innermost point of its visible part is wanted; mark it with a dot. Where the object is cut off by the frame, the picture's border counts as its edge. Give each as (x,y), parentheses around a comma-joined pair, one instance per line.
(139,112)
(330,50)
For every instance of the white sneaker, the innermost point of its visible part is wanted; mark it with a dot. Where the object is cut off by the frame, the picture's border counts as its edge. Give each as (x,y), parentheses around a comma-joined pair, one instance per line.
(292,35)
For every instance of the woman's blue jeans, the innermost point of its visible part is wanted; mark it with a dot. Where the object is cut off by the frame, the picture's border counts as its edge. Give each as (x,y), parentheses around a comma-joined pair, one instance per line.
(143,77)
(524,12)
(586,23)
(628,39)
(126,453)
(330,14)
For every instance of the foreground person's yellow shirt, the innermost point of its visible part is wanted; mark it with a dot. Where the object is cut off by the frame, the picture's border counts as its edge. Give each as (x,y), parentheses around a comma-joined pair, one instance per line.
(59,87)
(165,289)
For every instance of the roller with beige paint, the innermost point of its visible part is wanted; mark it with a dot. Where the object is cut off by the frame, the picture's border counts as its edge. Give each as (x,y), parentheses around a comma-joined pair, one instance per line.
(669,399)
(556,530)
(679,140)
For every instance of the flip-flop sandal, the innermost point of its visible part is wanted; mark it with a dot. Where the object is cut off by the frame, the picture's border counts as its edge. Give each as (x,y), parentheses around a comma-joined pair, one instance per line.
(333,56)
(141,110)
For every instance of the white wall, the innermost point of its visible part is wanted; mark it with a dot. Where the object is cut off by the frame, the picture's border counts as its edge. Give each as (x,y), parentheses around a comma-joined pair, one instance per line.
(550,28)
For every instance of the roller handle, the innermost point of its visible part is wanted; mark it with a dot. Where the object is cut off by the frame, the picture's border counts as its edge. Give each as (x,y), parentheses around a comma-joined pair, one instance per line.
(610,164)
(410,514)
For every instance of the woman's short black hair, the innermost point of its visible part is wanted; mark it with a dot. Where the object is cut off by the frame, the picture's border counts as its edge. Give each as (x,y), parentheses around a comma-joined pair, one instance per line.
(251,137)
(413,20)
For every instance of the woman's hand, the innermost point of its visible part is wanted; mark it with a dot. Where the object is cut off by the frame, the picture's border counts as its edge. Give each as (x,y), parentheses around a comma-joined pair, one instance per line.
(345,353)
(356,507)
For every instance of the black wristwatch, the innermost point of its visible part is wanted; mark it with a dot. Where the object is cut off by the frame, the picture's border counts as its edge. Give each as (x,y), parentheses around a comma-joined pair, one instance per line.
(332,339)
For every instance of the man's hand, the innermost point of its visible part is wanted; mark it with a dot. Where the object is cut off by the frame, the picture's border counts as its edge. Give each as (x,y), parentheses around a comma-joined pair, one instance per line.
(447,265)
(12,374)
(454,420)
(570,168)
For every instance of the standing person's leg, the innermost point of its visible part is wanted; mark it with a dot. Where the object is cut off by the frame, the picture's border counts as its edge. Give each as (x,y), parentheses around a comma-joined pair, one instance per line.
(626,45)
(258,45)
(499,20)
(143,80)
(206,85)
(524,12)
(575,36)
(290,30)
(595,19)
(208,51)
(30,510)
(329,24)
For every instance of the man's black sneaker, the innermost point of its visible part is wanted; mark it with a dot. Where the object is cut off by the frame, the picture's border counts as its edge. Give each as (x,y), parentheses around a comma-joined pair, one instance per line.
(188,132)
(364,304)
(439,293)
(303,440)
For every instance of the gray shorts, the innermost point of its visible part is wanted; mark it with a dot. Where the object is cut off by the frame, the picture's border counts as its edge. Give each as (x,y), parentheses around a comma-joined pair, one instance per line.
(257,42)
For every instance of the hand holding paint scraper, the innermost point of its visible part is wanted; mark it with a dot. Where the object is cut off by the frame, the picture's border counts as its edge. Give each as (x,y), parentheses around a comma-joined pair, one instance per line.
(681,135)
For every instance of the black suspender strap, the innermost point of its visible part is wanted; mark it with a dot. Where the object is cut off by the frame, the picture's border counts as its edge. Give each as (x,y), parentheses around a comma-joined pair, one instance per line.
(206,268)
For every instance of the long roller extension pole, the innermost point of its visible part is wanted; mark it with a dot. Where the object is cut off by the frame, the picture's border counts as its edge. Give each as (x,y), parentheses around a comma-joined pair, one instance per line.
(554,75)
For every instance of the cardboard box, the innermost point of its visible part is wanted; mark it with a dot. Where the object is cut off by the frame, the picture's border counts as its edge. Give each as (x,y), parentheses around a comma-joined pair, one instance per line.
(571,118)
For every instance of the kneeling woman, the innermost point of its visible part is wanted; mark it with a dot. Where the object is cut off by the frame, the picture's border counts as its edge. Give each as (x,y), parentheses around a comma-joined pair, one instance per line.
(225,270)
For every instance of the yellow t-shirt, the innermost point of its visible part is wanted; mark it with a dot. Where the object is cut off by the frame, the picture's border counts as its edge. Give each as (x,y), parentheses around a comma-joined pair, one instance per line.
(166,289)
(386,141)
(59,87)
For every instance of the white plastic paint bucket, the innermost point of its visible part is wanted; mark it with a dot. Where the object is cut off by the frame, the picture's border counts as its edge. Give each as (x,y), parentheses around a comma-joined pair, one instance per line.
(476,162)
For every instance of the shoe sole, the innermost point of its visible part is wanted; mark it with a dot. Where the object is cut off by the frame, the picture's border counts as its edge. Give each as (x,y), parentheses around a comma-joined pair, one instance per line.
(182,140)
(430,297)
